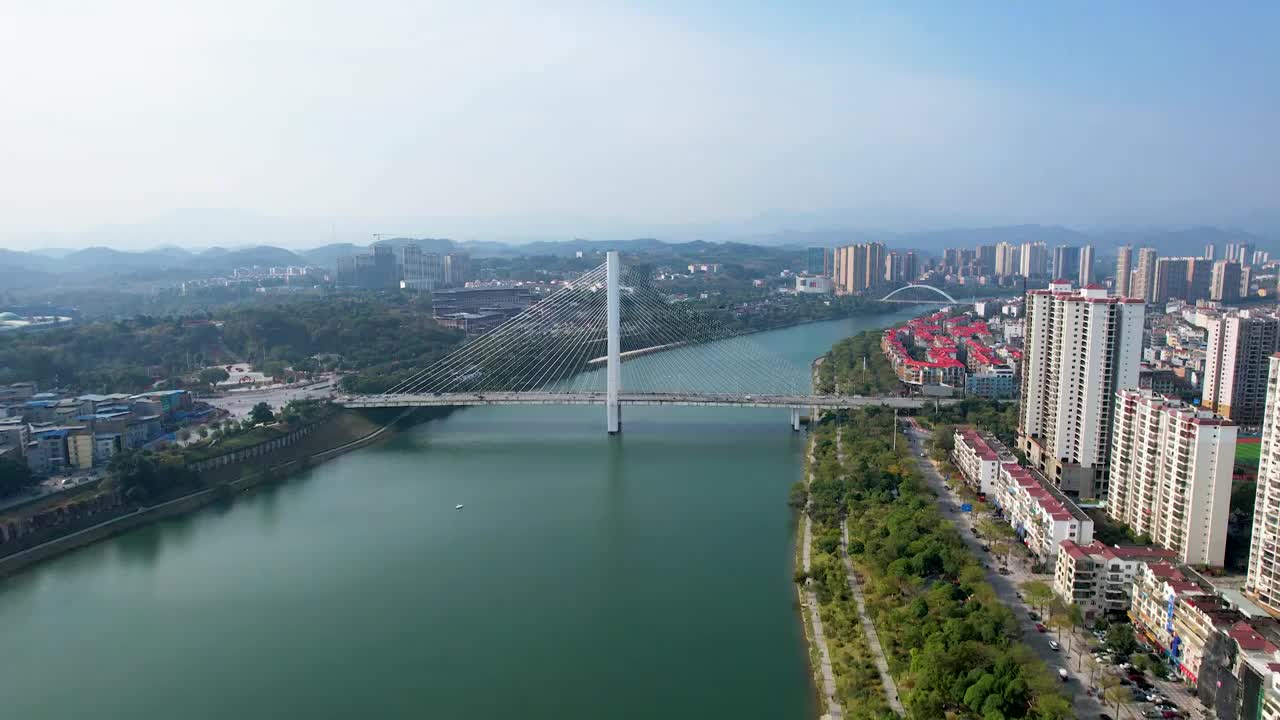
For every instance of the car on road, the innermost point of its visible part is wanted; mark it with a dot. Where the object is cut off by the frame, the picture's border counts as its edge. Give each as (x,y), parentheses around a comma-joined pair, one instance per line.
(1040,628)
(1104,716)
(1062,674)
(1033,615)
(1054,646)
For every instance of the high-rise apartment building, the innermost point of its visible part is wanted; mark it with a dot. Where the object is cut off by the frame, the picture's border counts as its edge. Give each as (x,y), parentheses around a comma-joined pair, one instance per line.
(1199,279)
(986,259)
(1066,263)
(1236,363)
(1224,283)
(1008,259)
(1034,259)
(419,270)
(818,261)
(1171,474)
(1209,251)
(1086,266)
(1142,279)
(1263,581)
(1124,262)
(1081,347)
(859,267)
(1170,280)
(457,269)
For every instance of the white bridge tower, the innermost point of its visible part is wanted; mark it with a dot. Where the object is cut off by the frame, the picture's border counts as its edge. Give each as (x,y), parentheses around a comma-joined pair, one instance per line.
(613,412)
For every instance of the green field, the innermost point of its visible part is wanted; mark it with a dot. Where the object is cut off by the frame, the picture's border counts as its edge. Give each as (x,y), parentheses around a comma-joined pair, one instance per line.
(1247,453)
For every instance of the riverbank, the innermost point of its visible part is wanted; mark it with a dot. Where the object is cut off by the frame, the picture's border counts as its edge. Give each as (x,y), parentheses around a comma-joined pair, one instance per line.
(667,540)
(344,433)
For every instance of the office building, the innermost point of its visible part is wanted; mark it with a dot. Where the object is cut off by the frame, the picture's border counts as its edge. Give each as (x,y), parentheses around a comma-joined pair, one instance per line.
(1124,262)
(1224,283)
(1086,266)
(1142,278)
(1171,474)
(1081,346)
(1066,263)
(1237,360)
(1263,581)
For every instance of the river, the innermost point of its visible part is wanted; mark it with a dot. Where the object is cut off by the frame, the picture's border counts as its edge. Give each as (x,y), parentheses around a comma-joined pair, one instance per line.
(639,576)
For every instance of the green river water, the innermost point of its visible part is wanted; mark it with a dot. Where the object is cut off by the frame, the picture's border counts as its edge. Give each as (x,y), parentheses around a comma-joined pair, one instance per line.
(646,575)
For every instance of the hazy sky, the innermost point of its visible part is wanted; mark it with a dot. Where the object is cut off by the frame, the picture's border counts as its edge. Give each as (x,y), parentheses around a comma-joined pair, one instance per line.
(662,113)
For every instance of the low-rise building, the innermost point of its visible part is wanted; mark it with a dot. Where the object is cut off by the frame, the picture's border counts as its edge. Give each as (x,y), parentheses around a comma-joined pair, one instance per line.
(978,455)
(1040,514)
(1099,578)
(1157,589)
(998,381)
(105,447)
(80,449)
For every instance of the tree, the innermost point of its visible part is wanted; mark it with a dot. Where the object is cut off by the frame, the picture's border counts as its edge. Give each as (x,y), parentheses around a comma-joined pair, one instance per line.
(1060,622)
(261,413)
(1037,593)
(1117,695)
(14,476)
(1076,616)
(1120,640)
(214,375)
(184,434)
(203,431)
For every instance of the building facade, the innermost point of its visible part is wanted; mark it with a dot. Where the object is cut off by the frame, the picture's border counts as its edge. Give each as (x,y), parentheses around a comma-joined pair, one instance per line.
(1263,581)
(1099,578)
(1171,470)
(1124,266)
(1237,361)
(1080,348)
(1041,516)
(1142,279)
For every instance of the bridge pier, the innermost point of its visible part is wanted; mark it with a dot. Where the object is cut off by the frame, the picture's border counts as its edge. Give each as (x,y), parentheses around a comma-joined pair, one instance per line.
(613,371)
(795,419)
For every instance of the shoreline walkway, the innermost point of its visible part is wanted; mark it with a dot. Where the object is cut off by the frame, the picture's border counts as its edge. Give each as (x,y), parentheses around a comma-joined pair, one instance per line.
(868,627)
(810,600)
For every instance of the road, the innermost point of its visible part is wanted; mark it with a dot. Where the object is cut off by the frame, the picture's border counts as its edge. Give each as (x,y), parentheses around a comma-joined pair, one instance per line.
(1005,587)
(239,404)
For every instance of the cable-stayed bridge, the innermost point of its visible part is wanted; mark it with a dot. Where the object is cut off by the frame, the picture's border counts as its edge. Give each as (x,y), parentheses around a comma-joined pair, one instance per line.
(608,330)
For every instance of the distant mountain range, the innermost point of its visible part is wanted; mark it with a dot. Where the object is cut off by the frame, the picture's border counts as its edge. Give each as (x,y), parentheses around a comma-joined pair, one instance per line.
(39,267)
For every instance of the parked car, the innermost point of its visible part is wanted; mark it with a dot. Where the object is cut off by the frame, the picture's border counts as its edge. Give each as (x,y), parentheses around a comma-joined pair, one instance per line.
(1033,614)
(1054,646)
(1040,627)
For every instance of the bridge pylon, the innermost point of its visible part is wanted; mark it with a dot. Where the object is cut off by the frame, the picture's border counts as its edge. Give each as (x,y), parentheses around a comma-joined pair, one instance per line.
(613,371)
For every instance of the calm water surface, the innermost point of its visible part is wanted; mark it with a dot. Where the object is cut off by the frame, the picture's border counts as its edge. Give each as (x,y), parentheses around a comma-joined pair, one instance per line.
(640,576)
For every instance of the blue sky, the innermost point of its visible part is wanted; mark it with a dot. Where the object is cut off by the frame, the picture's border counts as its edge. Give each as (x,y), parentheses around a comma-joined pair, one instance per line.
(478,119)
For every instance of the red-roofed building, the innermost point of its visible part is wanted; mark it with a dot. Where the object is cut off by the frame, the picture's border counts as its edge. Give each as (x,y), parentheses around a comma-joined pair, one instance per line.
(1098,577)
(978,456)
(1157,588)
(1041,515)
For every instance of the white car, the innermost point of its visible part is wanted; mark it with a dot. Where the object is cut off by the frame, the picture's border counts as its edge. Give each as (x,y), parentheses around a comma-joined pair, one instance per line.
(1053,645)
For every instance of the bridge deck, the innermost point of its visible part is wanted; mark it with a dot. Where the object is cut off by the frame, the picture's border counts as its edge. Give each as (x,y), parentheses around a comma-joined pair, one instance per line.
(686,399)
